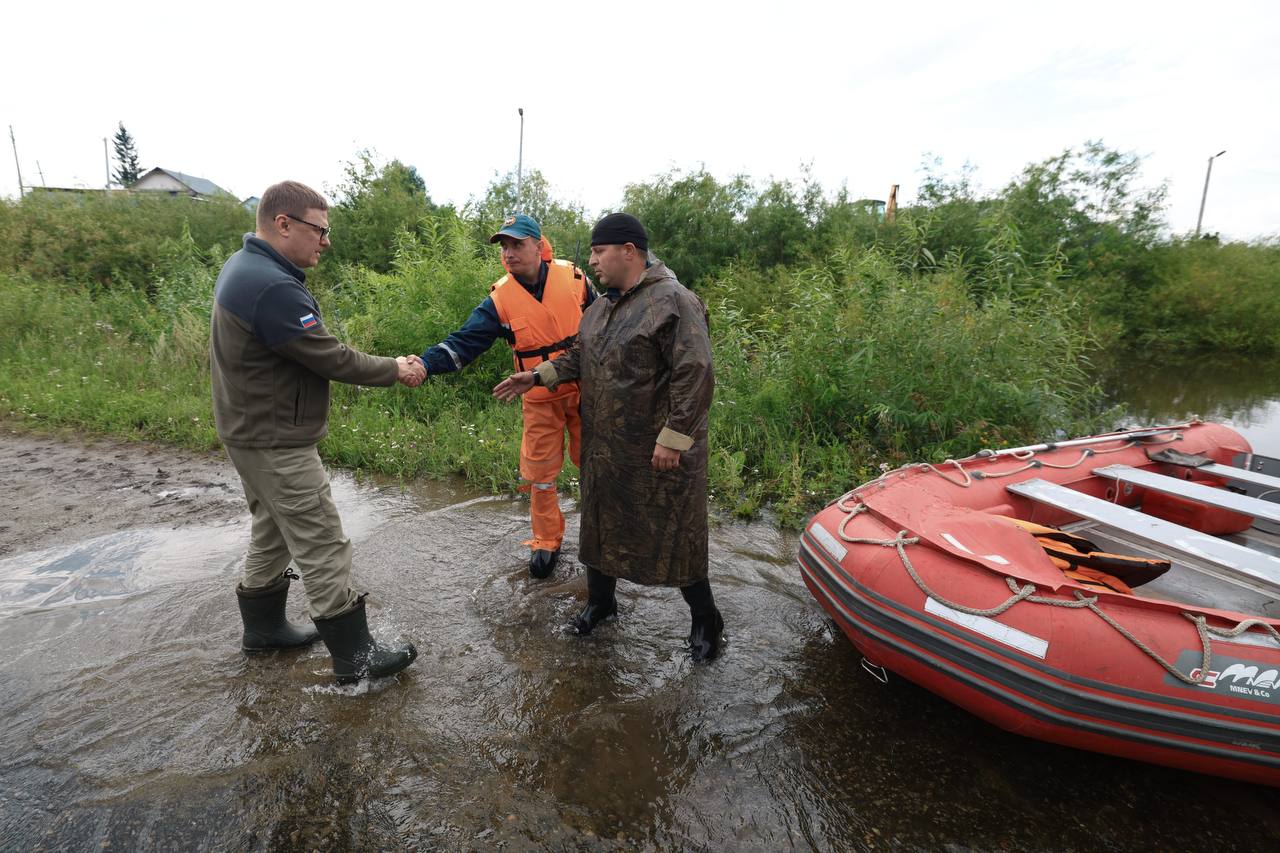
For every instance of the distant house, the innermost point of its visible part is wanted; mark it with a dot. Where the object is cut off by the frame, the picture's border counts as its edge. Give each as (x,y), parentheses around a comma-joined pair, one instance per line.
(250,204)
(176,183)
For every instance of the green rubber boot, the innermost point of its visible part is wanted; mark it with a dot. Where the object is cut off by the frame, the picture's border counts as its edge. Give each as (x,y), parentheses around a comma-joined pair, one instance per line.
(356,654)
(265,626)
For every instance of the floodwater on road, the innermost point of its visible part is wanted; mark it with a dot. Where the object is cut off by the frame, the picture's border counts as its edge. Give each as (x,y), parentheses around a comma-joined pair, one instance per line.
(132,720)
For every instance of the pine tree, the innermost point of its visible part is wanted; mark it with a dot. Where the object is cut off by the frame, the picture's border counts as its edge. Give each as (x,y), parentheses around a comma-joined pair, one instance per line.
(127,156)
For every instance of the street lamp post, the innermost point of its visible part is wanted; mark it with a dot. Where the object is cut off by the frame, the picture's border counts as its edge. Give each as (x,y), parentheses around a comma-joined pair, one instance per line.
(1205,194)
(520,163)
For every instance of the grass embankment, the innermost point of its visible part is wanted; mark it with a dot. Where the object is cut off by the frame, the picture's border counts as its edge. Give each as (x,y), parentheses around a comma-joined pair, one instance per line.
(823,372)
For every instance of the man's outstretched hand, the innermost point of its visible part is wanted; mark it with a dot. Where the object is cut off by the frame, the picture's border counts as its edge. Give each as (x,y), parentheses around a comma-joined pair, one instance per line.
(513,386)
(412,371)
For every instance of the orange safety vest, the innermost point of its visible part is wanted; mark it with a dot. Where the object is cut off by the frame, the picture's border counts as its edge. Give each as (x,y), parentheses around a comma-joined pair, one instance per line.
(543,330)
(1080,560)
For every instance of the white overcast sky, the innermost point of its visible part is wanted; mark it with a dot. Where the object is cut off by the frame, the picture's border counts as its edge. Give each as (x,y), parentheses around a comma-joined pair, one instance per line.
(249,93)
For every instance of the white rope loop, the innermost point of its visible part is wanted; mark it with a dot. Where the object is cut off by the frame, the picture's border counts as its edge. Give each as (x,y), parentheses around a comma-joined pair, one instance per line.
(964,483)
(1029,457)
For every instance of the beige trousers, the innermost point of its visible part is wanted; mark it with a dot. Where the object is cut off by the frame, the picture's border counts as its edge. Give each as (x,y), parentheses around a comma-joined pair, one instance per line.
(294,517)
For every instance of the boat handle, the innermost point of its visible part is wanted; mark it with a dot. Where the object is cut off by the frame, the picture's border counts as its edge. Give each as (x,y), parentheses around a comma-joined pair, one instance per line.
(876,671)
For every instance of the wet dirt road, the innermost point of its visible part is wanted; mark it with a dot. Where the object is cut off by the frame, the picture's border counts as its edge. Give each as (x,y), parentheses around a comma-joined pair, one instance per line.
(131,720)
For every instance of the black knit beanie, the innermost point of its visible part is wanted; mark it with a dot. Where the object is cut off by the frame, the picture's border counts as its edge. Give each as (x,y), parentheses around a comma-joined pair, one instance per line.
(620,228)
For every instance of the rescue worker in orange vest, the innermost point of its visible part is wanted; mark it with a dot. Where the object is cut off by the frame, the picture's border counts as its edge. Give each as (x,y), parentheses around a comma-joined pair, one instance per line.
(536,309)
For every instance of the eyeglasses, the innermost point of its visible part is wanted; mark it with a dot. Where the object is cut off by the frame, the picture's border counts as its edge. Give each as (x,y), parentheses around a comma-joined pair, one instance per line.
(324,232)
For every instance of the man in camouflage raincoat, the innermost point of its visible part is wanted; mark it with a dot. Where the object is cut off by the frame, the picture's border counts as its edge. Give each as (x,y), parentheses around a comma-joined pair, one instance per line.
(643,365)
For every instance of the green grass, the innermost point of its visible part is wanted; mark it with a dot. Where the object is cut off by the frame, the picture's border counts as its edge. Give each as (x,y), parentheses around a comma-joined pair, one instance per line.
(842,343)
(110,365)
(836,369)
(110,240)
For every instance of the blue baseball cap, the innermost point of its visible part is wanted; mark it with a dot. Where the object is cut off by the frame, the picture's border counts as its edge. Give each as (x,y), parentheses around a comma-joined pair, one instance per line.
(518,226)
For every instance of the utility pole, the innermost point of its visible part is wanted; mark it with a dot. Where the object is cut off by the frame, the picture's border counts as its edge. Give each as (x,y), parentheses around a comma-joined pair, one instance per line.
(106,159)
(1205,194)
(15,160)
(41,171)
(520,164)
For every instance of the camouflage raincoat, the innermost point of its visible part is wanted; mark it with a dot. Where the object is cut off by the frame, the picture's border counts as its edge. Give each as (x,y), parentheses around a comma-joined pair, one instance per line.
(643,364)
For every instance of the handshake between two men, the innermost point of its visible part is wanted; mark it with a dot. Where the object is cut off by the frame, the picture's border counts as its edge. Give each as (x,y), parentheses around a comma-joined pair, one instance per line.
(411,371)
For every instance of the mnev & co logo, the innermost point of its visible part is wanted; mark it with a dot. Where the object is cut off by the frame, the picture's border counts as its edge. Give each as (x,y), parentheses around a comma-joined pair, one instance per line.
(1231,676)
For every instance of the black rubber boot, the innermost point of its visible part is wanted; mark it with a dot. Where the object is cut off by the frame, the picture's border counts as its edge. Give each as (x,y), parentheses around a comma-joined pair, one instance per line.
(542,562)
(704,635)
(265,625)
(355,653)
(601,603)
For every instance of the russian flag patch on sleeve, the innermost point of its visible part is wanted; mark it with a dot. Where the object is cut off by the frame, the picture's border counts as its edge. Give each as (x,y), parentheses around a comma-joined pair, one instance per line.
(308,321)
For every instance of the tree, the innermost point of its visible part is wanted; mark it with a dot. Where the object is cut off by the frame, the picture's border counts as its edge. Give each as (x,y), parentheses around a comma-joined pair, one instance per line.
(127,156)
(779,225)
(374,203)
(694,221)
(564,223)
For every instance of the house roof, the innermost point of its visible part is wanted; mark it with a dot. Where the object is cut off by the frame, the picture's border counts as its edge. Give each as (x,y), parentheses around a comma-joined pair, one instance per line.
(202,186)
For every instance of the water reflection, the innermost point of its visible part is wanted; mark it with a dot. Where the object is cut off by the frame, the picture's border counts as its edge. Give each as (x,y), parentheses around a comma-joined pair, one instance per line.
(117,564)
(1242,391)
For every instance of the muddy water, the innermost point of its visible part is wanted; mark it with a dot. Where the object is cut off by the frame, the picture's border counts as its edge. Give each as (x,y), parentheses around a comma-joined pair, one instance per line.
(131,720)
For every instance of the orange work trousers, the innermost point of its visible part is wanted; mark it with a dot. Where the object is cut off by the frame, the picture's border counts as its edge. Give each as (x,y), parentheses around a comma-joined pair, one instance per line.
(542,457)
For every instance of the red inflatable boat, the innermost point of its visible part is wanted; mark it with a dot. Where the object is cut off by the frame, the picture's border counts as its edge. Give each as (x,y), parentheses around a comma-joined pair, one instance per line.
(1118,593)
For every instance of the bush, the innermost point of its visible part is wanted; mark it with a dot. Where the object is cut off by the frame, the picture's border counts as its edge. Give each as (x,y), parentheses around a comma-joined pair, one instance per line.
(1211,296)
(849,363)
(110,240)
(373,205)
(842,343)
(694,222)
(565,225)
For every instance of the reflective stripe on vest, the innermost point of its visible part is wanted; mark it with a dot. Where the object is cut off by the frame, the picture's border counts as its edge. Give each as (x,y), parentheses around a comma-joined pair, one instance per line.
(542,330)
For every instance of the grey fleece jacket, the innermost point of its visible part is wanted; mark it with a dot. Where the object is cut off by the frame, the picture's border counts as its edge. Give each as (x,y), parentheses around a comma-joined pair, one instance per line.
(271,358)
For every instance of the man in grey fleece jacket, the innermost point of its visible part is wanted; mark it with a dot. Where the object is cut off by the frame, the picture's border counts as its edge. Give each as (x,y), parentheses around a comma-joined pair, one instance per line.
(271,361)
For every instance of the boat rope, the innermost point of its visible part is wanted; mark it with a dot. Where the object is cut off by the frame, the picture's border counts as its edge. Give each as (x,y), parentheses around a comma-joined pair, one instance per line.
(1240,628)
(902,540)
(1029,457)
(964,484)
(1206,653)
(1027,592)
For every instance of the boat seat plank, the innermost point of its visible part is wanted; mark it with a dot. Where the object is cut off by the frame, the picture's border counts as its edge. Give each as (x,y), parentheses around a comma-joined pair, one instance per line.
(1243,475)
(1197,492)
(1227,560)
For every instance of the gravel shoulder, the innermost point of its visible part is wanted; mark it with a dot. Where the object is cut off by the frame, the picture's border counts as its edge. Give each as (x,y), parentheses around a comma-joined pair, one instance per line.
(65,487)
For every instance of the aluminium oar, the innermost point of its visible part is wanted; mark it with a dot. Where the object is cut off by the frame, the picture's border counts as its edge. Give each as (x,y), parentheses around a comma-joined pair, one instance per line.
(1132,435)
